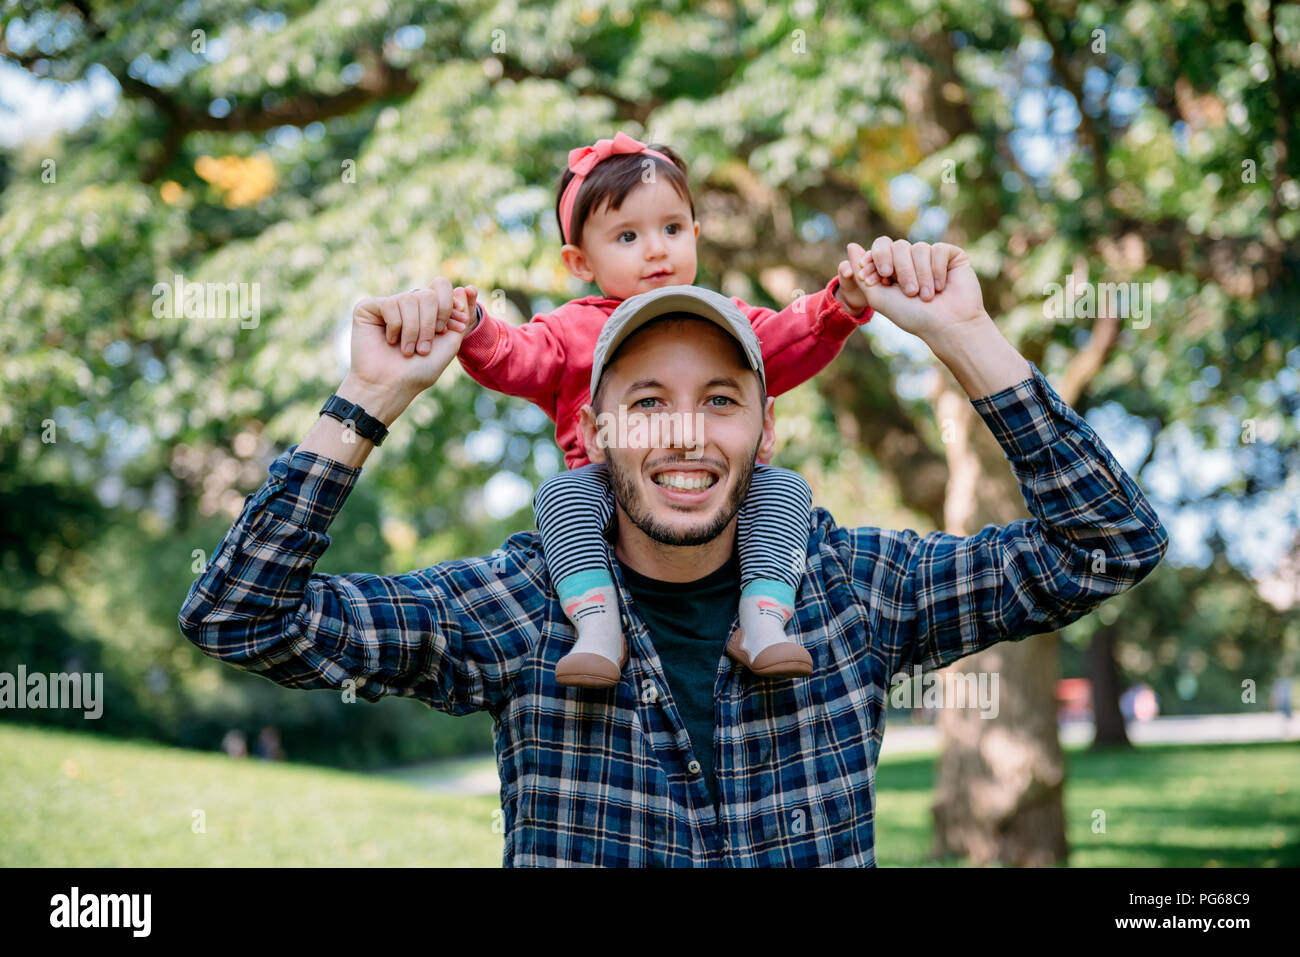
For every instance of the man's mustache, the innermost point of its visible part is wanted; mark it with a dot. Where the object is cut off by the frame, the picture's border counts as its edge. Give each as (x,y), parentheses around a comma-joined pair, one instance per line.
(687,464)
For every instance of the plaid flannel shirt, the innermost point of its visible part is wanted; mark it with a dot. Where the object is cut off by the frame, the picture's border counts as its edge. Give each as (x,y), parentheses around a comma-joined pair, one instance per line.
(609,777)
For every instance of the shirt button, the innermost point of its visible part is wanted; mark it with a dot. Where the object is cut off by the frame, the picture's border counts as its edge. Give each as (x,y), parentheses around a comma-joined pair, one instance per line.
(693,767)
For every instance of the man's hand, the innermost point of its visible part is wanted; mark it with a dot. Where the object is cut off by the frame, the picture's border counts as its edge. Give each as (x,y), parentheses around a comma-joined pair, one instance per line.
(932,292)
(402,343)
(926,290)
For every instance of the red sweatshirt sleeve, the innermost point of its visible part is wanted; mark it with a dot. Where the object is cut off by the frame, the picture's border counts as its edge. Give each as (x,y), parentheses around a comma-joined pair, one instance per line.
(803,338)
(525,361)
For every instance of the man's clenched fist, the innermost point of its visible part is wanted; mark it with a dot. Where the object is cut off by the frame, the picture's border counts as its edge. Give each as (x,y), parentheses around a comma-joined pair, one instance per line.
(927,290)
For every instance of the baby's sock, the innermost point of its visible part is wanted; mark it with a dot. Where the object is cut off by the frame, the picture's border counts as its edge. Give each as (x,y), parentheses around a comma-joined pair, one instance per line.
(765,608)
(590,601)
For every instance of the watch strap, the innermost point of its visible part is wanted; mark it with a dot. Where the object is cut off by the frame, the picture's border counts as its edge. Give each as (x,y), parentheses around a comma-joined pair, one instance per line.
(365,424)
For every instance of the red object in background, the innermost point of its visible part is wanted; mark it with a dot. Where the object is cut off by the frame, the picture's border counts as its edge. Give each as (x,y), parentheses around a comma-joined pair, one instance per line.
(1073,699)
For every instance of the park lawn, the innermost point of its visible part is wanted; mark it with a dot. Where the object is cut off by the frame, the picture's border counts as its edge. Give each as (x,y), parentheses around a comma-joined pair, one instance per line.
(78,800)
(1197,805)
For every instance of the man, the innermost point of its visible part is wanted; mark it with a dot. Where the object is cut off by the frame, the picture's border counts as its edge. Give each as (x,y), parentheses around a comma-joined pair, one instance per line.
(690,759)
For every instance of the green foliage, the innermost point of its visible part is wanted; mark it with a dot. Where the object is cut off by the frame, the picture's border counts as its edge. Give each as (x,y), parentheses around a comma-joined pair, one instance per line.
(1203,638)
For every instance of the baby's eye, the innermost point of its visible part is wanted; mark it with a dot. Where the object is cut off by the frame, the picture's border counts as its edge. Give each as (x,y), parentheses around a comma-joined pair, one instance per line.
(673,229)
(625,234)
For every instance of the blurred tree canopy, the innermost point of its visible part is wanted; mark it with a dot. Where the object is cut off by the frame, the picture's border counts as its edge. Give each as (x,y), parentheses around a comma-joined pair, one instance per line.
(321,152)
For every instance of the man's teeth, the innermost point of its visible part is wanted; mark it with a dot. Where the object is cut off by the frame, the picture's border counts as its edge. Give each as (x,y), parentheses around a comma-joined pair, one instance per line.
(685,481)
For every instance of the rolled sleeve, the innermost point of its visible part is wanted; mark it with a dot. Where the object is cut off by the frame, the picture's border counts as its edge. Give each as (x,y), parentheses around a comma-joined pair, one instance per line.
(1026,417)
(308,489)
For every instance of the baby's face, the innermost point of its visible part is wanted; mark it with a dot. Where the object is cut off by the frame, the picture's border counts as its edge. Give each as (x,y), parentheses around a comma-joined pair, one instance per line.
(649,242)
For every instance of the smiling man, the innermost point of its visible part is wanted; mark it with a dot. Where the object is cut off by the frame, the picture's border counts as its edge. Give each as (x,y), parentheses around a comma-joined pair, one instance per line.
(690,760)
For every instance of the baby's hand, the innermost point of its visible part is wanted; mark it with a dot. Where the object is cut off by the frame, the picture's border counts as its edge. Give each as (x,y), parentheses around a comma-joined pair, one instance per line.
(850,291)
(468,316)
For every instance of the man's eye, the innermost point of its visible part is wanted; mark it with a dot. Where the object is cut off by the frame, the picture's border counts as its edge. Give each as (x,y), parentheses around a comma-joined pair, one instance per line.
(724,400)
(641,403)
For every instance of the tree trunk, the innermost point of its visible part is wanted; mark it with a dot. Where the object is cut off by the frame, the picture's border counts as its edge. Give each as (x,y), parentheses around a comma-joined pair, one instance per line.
(1107,718)
(1000,780)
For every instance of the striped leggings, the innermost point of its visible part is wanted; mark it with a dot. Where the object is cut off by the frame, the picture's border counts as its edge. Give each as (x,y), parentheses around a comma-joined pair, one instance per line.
(573,508)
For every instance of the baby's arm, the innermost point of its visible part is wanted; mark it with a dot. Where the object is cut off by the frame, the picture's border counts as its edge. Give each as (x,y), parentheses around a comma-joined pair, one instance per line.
(802,339)
(526,361)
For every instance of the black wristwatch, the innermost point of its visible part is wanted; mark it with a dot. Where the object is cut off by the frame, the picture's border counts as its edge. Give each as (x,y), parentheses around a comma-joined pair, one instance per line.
(364,424)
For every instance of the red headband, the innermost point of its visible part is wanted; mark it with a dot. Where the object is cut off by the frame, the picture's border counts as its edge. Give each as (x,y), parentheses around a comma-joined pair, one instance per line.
(584,159)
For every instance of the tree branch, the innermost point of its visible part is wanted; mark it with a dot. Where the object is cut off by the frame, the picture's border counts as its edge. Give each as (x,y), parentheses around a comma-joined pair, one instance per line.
(1088,361)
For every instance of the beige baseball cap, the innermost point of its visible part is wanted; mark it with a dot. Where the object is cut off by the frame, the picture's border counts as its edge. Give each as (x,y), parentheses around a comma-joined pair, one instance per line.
(631,314)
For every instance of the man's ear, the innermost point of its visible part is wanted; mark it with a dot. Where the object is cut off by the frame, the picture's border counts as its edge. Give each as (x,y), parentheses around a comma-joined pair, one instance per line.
(767,445)
(589,427)
(576,262)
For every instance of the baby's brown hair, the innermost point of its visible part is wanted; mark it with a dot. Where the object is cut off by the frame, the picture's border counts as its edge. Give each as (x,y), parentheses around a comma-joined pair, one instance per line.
(612,179)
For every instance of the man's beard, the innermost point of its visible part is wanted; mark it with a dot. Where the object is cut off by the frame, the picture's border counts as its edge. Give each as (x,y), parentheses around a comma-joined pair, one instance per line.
(629,499)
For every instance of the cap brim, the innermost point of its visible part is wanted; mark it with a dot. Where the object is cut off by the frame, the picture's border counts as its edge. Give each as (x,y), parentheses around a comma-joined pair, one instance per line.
(670,302)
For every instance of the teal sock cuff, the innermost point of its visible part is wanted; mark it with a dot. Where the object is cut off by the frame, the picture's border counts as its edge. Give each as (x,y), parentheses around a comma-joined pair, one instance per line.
(571,586)
(768,588)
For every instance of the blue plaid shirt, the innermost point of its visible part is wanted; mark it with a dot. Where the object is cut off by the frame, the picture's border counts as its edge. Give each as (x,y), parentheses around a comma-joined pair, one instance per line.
(610,777)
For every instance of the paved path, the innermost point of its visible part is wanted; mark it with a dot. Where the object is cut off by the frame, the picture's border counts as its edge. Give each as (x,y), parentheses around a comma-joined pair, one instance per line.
(1202,729)
(478,775)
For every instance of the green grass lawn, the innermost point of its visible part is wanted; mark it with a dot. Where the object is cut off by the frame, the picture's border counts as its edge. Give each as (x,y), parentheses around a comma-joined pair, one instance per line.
(79,800)
(82,801)
(1196,805)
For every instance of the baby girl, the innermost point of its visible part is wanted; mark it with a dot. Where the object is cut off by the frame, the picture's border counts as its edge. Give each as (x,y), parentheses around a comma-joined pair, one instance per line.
(628,222)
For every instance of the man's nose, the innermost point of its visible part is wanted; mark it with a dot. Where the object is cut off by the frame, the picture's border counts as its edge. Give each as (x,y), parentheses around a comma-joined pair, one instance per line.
(682,430)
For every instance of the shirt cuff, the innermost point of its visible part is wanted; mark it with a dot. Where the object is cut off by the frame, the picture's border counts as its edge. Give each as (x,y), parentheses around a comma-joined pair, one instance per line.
(834,319)
(1028,416)
(309,489)
(479,347)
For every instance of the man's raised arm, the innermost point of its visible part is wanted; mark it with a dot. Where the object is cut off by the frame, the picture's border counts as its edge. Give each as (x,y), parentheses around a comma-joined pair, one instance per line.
(258,606)
(940,597)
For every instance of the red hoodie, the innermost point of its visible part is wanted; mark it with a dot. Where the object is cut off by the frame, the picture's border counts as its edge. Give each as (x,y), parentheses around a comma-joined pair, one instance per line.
(548,359)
